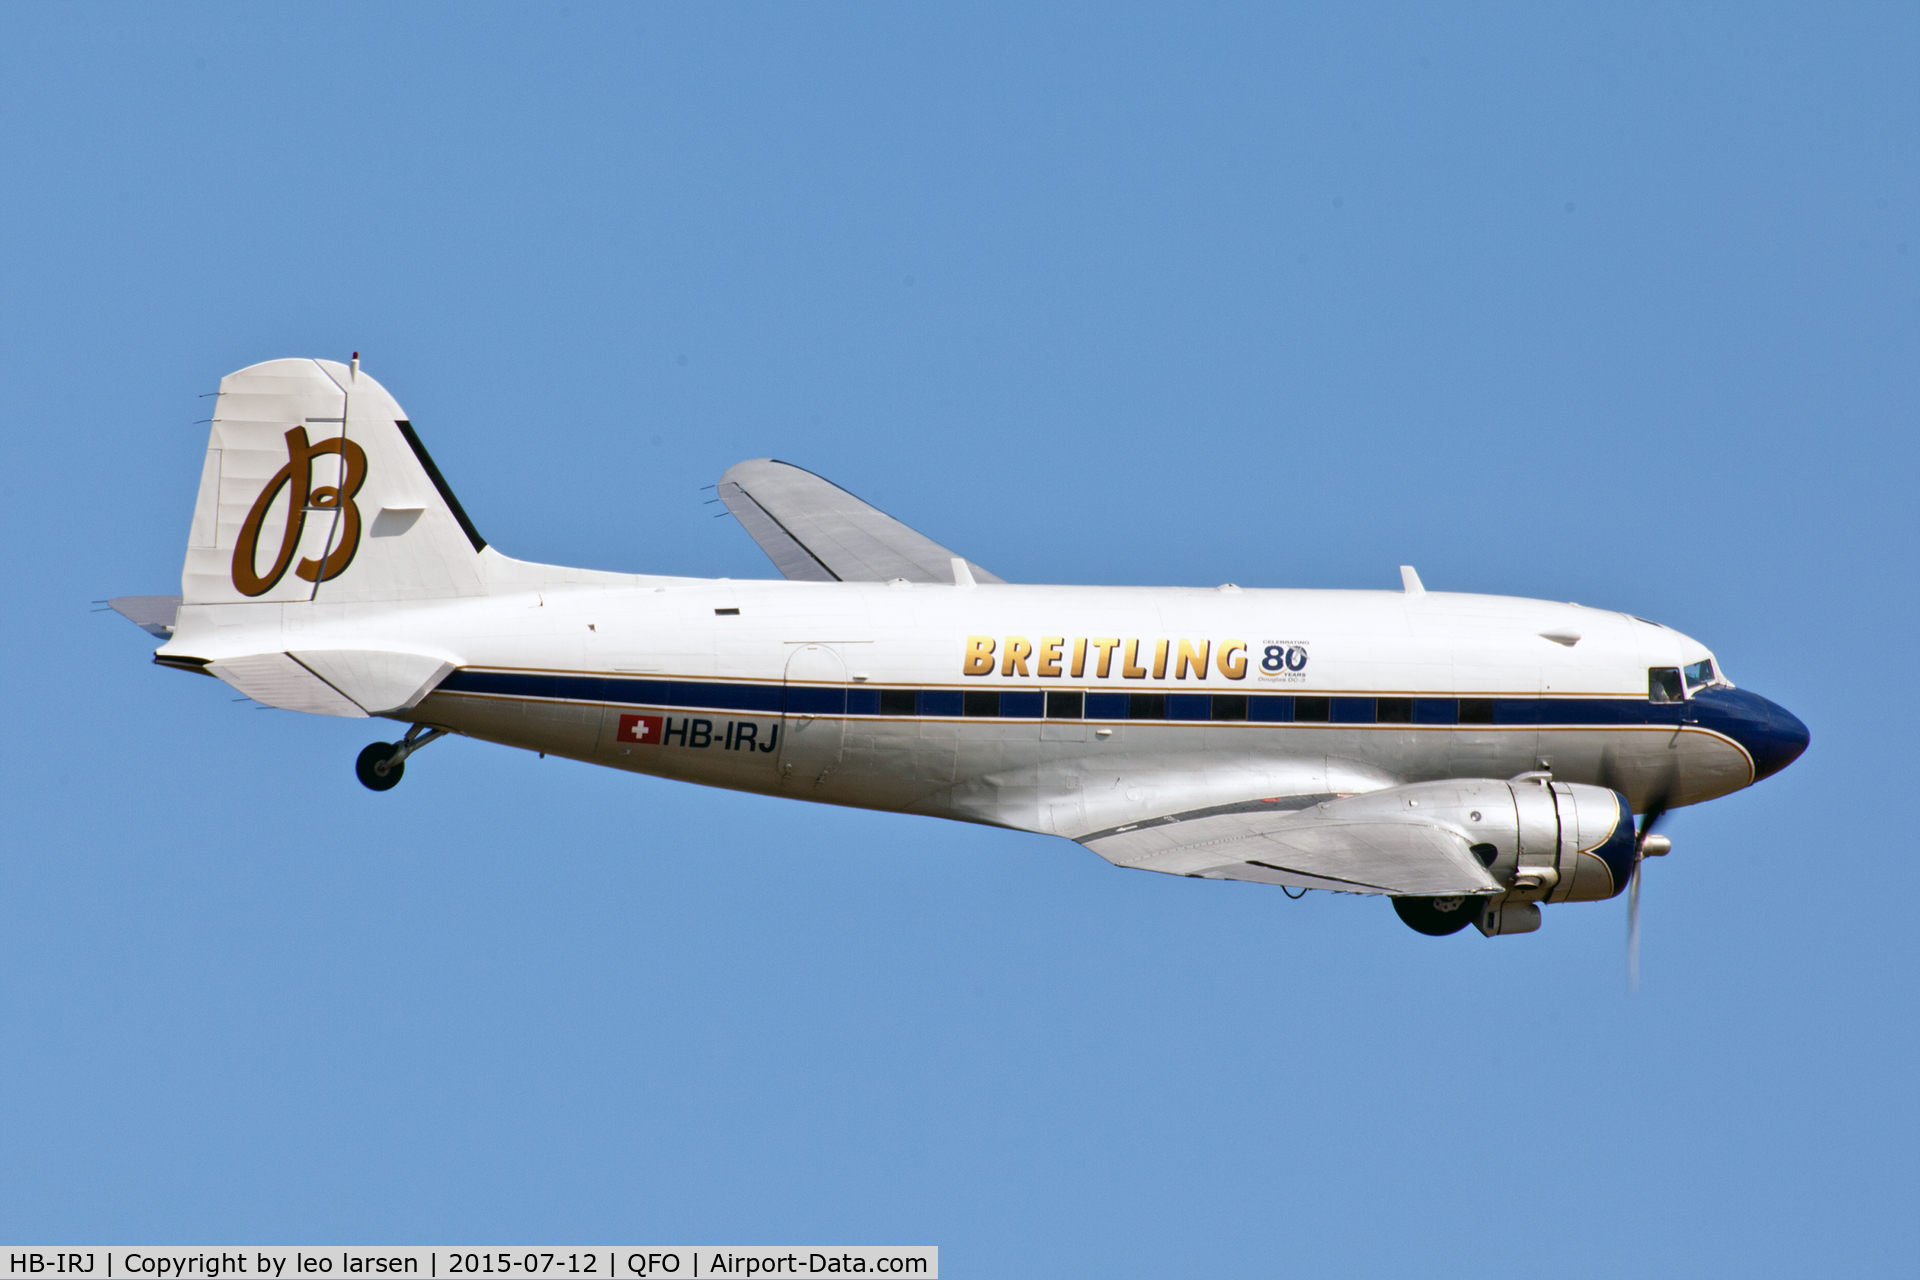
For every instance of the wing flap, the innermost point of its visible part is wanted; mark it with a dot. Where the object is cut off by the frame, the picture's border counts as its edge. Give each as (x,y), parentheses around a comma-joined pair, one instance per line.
(815,531)
(1308,849)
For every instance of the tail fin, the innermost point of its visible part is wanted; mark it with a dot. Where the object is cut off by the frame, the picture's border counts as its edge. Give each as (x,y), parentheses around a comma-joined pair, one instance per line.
(315,487)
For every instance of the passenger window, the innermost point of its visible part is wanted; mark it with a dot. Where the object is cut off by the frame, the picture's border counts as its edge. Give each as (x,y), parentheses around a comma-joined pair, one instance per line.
(1699,676)
(896,702)
(1394,710)
(1065,706)
(1147,706)
(1229,706)
(1663,685)
(983,702)
(1476,711)
(1312,710)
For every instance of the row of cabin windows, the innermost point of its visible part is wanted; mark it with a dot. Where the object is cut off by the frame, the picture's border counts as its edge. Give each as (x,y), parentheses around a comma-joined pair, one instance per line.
(1664,684)
(1272,708)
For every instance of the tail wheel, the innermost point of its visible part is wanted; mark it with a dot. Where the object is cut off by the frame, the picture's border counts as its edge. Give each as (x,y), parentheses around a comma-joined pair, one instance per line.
(372,769)
(1437,917)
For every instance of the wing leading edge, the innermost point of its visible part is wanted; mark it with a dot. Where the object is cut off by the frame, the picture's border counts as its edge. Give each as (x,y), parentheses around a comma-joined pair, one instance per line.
(1335,845)
(815,531)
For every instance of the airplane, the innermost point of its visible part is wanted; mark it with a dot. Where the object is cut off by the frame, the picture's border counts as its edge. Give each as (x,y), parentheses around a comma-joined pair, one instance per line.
(1469,757)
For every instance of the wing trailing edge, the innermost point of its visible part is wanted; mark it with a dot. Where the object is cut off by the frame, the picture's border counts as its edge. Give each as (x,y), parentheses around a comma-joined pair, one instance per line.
(1322,847)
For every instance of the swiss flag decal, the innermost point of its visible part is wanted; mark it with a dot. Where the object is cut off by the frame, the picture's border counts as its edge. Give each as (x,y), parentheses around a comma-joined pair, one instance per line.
(639,729)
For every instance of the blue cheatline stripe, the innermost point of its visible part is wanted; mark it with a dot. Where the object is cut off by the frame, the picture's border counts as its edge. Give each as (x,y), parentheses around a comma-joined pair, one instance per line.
(764,698)
(863,700)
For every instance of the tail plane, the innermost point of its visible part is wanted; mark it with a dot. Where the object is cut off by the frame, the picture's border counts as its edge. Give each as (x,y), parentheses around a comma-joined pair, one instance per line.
(315,490)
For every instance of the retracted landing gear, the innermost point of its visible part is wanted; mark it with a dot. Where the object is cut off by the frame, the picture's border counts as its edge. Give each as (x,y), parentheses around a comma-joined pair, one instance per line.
(1438,917)
(381,765)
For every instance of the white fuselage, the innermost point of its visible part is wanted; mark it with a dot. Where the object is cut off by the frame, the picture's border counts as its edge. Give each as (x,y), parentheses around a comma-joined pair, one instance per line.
(857,693)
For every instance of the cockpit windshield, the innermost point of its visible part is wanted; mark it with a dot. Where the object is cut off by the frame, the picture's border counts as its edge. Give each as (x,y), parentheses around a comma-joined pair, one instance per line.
(1676,684)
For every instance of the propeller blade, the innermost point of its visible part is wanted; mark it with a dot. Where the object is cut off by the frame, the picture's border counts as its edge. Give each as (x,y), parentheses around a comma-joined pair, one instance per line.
(1633,931)
(1656,812)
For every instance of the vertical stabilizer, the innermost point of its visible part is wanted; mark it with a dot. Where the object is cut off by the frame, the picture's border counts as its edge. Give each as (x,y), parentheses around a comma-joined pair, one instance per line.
(315,487)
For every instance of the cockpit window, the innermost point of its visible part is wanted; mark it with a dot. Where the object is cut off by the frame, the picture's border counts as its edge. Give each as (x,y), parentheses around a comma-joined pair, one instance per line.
(1663,685)
(1699,676)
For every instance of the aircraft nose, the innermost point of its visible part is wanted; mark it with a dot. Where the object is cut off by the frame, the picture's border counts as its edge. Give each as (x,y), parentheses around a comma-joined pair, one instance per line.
(1770,733)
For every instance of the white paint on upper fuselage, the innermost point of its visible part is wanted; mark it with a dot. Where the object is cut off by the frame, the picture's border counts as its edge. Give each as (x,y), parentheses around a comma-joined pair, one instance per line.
(914,634)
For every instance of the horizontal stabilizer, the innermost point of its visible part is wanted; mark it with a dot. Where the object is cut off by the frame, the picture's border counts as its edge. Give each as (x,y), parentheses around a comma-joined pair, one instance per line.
(335,682)
(276,680)
(815,531)
(152,614)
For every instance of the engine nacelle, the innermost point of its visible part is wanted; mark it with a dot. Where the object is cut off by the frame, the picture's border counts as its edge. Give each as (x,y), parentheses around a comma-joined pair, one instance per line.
(1546,841)
(1573,843)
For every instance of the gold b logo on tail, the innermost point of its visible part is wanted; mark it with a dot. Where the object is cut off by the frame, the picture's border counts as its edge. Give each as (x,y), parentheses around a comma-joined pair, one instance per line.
(334,501)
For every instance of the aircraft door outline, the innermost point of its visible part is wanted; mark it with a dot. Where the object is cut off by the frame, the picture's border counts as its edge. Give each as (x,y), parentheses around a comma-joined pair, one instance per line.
(813,715)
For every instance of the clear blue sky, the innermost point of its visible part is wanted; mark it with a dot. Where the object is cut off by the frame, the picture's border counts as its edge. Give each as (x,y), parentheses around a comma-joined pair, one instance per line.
(1613,305)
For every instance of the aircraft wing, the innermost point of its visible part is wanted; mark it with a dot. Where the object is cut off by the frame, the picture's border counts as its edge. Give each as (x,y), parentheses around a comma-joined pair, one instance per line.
(815,531)
(1320,847)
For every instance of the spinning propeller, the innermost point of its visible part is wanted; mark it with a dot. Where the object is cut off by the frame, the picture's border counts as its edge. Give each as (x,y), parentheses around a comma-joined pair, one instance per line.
(1645,845)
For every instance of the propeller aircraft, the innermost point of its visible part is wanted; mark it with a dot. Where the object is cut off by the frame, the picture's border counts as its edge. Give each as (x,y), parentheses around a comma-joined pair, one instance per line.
(1471,758)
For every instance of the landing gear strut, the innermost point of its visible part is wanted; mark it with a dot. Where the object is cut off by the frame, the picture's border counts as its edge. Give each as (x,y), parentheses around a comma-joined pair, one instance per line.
(381,765)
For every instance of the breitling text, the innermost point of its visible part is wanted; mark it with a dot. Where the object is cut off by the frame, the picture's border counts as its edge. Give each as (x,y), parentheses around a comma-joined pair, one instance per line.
(1104,657)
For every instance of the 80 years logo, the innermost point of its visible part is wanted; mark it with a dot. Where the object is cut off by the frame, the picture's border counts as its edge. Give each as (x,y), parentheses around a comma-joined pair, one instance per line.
(1283,660)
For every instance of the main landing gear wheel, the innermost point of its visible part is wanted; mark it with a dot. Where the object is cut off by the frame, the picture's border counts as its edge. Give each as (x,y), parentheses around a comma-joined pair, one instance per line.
(372,768)
(381,764)
(1437,917)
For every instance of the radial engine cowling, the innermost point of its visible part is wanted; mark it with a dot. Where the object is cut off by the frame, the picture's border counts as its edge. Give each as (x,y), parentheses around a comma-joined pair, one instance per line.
(1546,841)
